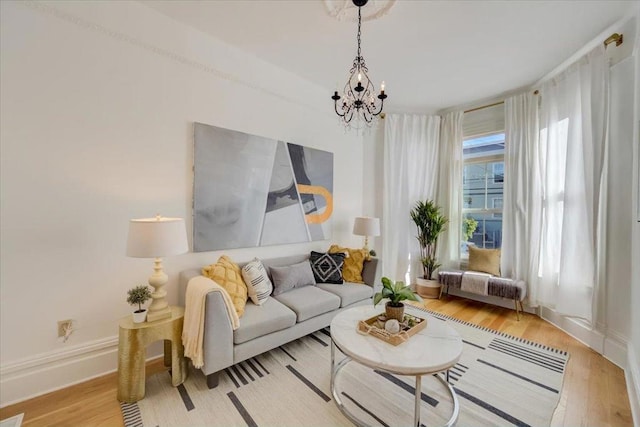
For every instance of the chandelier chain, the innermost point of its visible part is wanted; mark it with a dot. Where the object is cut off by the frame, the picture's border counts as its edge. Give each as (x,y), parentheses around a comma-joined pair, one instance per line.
(359,31)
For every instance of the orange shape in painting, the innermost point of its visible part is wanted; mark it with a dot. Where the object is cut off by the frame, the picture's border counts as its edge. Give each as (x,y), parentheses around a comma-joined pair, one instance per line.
(320,191)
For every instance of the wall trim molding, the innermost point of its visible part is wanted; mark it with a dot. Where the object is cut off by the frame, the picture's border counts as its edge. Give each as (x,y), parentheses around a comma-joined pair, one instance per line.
(632,376)
(46,372)
(611,345)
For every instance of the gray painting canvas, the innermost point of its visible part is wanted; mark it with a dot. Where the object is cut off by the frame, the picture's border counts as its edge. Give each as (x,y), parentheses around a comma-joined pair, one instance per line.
(254,191)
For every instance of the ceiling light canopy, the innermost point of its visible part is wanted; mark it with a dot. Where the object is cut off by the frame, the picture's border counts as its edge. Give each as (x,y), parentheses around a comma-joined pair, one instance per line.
(358,99)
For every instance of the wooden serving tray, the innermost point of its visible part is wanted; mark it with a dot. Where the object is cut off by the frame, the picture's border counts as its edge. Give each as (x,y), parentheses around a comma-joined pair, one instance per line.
(369,327)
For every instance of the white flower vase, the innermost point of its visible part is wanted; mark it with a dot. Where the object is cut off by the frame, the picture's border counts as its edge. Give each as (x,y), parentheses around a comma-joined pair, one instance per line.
(139,316)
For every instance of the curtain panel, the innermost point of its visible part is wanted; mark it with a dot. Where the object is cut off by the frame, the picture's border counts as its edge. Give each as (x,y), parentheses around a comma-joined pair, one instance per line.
(573,157)
(450,188)
(522,209)
(411,158)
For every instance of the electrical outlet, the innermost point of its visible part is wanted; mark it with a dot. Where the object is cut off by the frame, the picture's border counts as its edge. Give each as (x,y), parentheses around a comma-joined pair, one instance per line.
(62,325)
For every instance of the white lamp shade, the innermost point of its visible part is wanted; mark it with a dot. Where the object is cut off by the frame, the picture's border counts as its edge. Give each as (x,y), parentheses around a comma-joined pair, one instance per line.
(157,237)
(366,226)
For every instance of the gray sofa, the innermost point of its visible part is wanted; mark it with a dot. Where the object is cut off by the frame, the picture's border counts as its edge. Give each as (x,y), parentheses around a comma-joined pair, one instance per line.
(279,320)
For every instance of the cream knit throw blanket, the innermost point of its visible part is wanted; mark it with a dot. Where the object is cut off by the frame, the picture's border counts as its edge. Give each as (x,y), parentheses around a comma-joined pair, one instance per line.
(193,329)
(475,282)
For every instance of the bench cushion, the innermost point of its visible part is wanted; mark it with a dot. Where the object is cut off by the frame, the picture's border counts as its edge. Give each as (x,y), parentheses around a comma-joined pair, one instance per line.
(348,292)
(309,301)
(263,319)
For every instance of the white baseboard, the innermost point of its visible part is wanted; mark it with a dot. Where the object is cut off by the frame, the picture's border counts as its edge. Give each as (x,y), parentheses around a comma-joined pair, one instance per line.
(44,373)
(612,346)
(632,376)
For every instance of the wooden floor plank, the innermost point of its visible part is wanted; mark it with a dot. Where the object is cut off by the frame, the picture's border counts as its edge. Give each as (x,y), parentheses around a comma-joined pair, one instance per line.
(594,391)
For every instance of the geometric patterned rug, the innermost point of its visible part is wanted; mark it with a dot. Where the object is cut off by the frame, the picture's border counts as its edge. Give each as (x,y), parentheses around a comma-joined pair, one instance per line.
(500,380)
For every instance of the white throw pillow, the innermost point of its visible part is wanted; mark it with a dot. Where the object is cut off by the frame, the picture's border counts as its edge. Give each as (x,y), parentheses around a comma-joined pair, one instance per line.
(259,287)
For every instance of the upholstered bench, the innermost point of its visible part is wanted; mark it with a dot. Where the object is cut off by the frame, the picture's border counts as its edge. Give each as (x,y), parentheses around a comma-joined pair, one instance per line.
(497,287)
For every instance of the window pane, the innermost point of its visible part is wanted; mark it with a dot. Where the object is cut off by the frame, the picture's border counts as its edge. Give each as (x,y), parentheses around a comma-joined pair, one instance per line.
(483,188)
(487,234)
(474,185)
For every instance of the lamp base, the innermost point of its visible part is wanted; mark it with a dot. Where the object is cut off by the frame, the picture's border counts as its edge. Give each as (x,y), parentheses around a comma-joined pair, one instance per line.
(159,308)
(164,313)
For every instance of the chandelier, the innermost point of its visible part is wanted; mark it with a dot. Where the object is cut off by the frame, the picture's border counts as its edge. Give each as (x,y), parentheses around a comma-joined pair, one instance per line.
(358,98)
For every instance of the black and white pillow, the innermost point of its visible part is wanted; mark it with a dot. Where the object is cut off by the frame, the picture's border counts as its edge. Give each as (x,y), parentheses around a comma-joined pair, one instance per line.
(327,268)
(259,286)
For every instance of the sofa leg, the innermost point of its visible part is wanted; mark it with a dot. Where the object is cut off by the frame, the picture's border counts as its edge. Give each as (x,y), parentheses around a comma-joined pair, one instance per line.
(515,302)
(213,380)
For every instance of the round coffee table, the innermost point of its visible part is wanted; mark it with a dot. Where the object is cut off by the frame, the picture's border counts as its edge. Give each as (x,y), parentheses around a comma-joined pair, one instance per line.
(434,349)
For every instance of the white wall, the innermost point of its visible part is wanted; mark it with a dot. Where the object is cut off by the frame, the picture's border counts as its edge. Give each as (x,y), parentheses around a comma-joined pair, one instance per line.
(97,108)
(633,358)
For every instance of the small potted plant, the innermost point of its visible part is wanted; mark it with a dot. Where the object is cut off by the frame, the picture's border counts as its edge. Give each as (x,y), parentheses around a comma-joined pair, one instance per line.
(139,295)
(396,292)
(430,223)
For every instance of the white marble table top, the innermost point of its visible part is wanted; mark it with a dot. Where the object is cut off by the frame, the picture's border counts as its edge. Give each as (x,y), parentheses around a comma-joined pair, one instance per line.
(434,349)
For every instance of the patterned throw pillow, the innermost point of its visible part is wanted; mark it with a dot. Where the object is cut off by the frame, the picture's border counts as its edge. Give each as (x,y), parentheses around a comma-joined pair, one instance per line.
(484,260)
(327,268)
(259,286)
(353,263)
(227,274)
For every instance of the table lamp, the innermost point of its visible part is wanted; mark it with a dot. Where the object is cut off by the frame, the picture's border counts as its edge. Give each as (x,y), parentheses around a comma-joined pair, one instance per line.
(156,238)
(366,226)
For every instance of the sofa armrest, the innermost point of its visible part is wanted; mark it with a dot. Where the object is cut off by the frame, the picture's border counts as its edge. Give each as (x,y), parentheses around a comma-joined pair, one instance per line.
(218,335)
(369,270)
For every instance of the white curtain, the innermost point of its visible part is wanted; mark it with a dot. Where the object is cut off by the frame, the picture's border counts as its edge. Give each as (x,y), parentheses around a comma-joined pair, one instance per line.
(522,210)
(573,150)
(450,188)
(410,174)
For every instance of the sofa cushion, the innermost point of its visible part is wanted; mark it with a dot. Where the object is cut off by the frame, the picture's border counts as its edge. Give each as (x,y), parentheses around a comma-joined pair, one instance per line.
(348,292)
(327,268)
(291,276)
(257,280)
(353,263)
(227,274)
(260,320)
(309,301)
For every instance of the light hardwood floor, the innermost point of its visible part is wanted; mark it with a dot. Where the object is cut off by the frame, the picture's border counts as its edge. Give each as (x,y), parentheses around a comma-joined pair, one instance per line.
(594,391)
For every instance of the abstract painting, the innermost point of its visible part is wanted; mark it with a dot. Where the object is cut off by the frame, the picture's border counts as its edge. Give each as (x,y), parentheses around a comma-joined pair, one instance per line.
(254,191)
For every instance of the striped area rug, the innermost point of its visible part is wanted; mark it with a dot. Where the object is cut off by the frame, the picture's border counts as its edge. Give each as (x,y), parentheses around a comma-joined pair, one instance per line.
(500,381)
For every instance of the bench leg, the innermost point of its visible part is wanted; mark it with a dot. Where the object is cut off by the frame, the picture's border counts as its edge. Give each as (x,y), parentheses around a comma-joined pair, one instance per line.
(515,302)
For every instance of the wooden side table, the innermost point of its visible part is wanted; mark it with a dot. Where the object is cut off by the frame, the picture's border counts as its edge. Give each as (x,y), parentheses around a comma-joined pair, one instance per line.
(132,343)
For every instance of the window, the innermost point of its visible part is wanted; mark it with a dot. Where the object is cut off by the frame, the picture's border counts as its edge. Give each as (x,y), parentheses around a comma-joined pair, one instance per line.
(483,187)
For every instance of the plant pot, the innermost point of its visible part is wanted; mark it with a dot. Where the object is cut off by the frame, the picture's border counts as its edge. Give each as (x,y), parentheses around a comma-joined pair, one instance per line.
(139,316)
(421,281)
(394,312)
(428,288)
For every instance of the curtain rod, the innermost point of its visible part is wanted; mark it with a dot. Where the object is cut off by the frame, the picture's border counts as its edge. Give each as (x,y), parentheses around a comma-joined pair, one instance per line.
(490,105)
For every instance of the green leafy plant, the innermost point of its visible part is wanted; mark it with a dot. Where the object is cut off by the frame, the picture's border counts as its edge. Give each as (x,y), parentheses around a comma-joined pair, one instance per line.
(396,292)
(430,223)
(138,295)
(469,226)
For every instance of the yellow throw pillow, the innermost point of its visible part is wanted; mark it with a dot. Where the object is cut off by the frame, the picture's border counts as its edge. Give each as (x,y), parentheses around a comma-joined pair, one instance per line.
(484,260)
(228,274)
(353,263)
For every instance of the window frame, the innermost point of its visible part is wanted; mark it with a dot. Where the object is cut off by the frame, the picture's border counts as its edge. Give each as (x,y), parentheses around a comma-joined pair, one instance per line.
(492,212)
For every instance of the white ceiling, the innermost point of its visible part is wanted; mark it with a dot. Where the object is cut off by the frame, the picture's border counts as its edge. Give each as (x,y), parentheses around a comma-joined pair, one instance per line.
(431,54)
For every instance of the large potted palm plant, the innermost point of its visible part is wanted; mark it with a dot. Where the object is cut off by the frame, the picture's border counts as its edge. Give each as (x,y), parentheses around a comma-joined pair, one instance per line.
(430,223)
